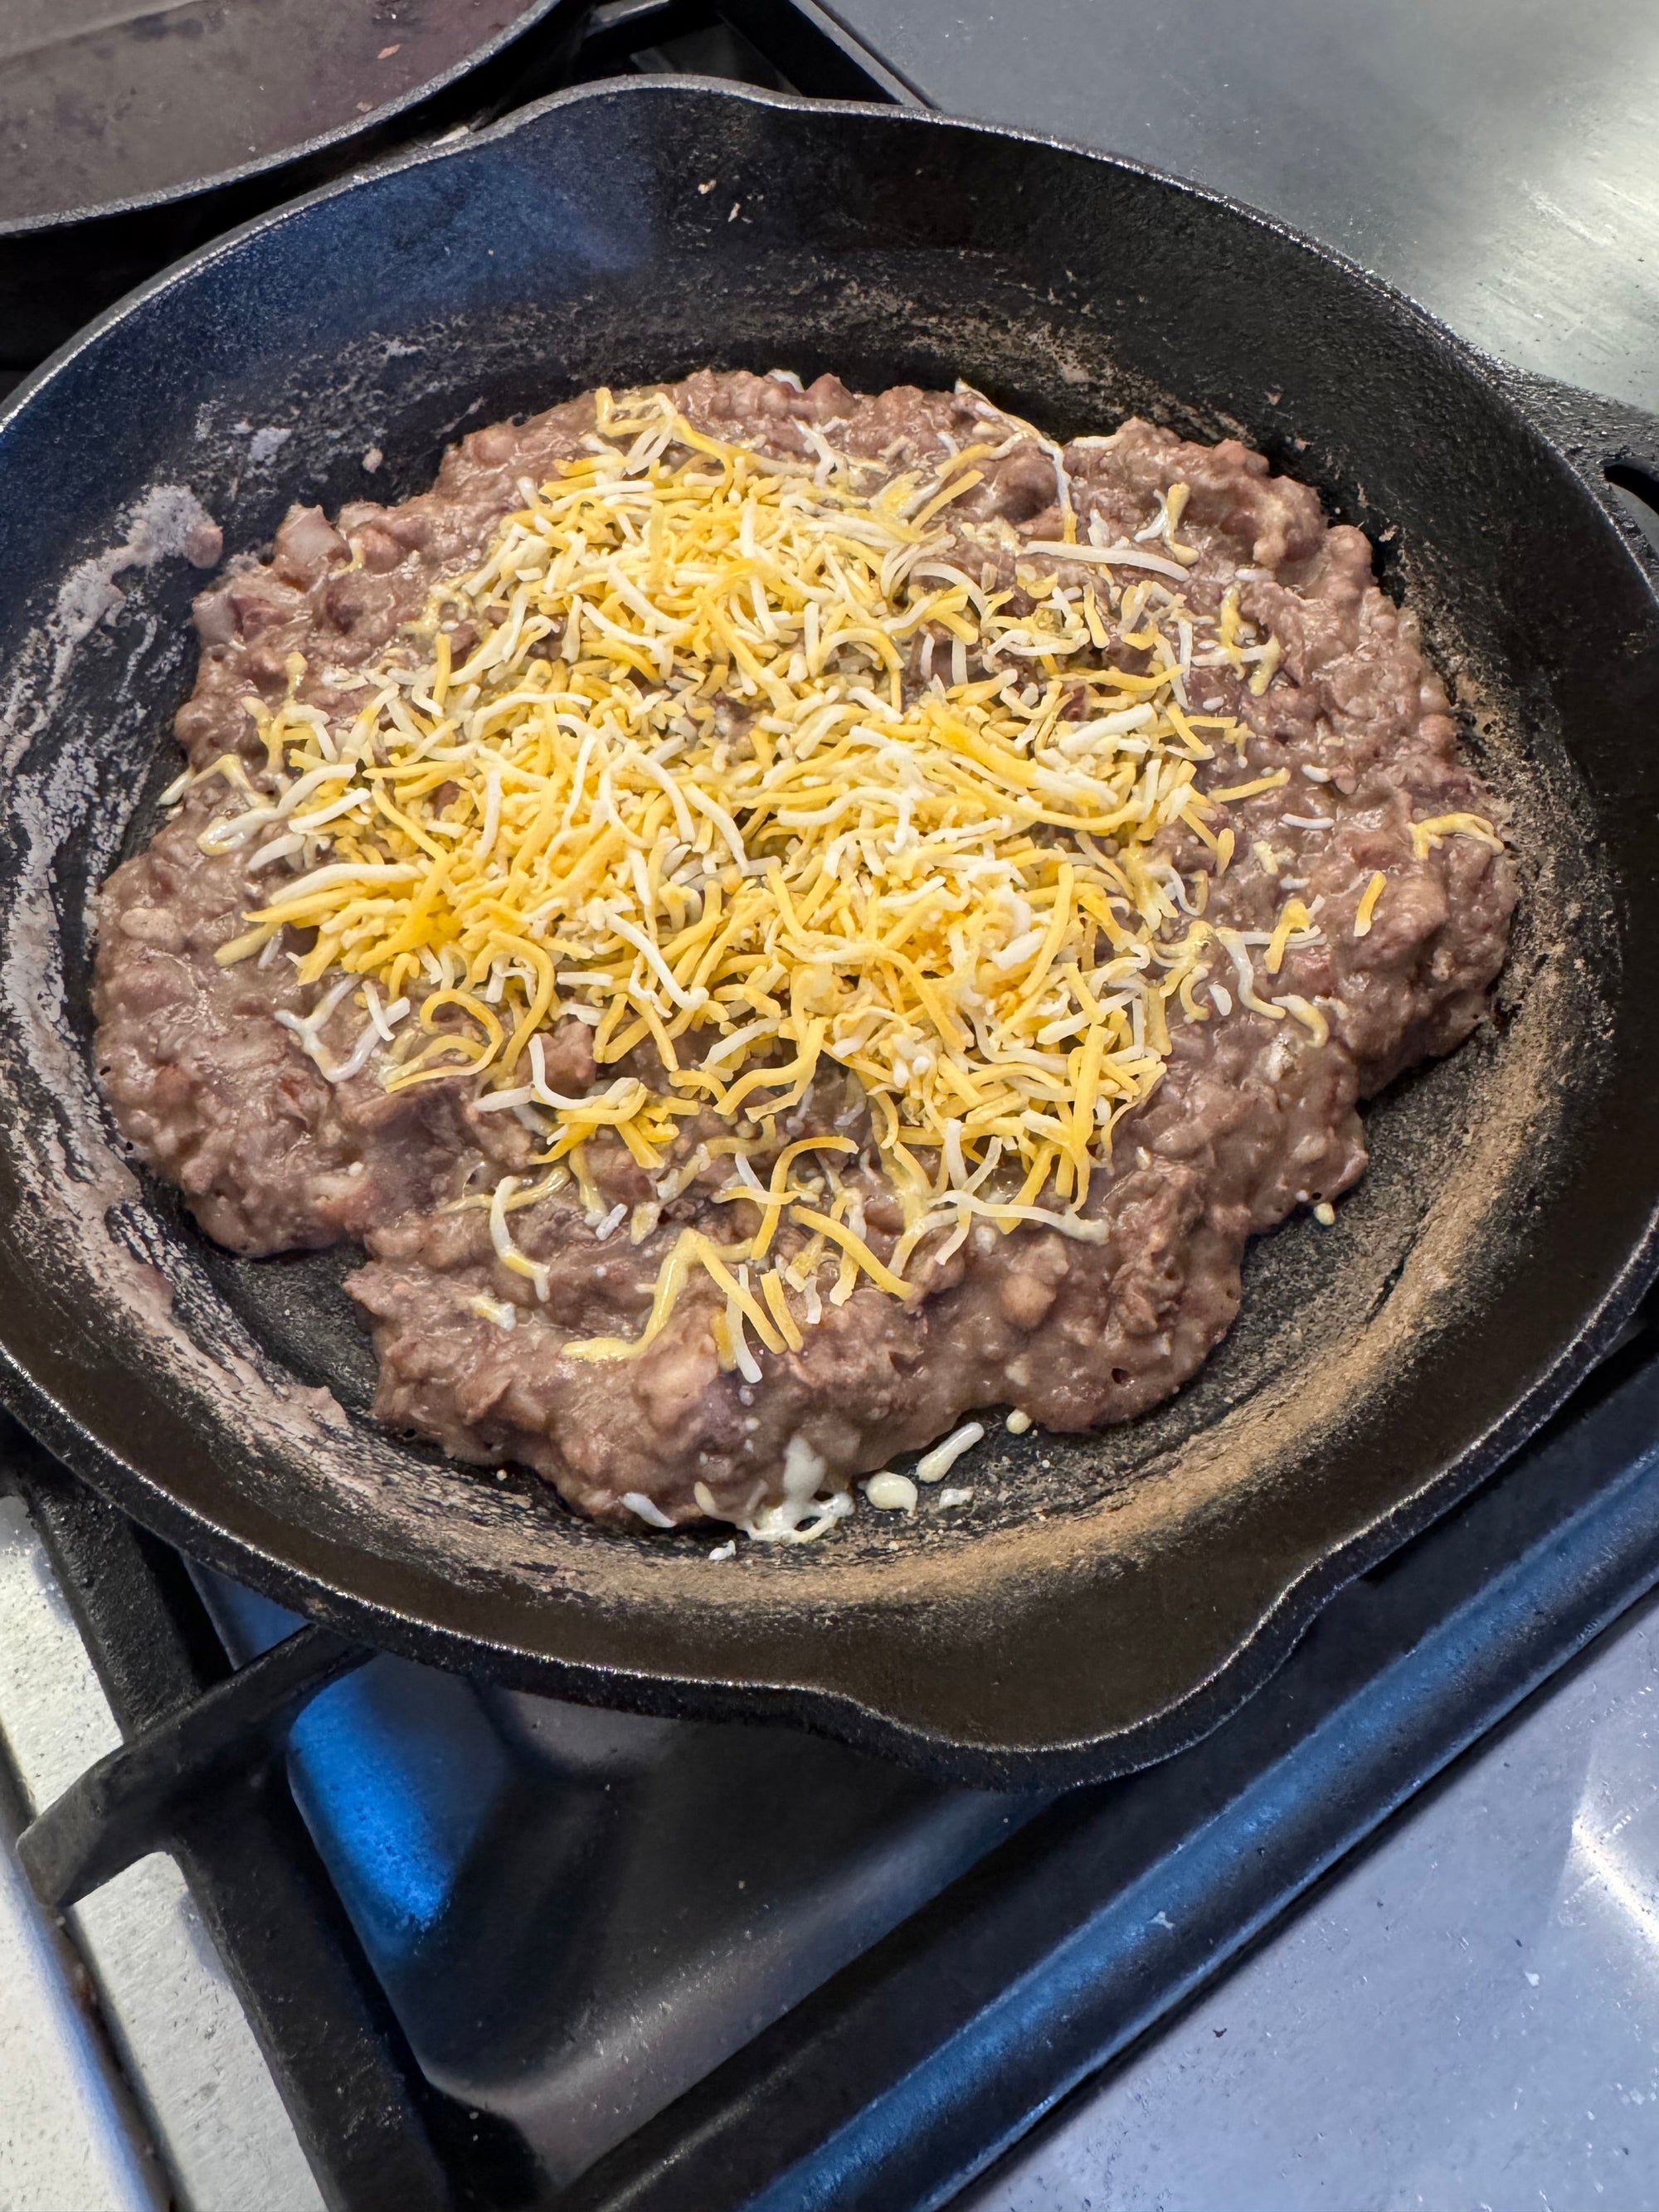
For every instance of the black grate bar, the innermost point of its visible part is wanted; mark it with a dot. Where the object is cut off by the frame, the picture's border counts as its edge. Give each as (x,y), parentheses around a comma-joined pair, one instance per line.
(817,54)
(131,1802)
(364,2118)
(805,47)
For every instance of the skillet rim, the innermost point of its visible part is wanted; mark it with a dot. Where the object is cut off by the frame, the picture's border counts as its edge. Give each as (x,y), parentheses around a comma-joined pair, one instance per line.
(1251,1656)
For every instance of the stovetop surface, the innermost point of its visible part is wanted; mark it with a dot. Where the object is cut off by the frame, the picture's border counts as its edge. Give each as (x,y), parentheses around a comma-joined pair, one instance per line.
(1492,158)
(1464,2015)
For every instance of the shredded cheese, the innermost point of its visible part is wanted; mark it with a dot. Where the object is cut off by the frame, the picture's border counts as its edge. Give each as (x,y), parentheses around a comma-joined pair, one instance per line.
(1426,835)
(1367,906)
(664,763)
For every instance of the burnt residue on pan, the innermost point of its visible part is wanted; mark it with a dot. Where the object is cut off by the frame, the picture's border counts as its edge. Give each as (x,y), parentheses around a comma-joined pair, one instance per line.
(1109,1597)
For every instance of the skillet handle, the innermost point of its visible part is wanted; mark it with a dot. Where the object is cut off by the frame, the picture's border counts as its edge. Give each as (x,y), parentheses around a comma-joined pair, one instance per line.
(1609,442)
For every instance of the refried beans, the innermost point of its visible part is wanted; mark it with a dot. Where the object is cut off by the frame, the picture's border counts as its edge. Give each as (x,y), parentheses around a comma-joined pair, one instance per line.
(642,1111)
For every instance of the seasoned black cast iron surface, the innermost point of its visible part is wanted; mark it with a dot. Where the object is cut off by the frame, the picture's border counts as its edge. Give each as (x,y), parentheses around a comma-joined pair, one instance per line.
(1111,1595)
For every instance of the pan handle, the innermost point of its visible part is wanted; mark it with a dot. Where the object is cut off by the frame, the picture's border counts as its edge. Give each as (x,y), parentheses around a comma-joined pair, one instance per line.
(1612,445)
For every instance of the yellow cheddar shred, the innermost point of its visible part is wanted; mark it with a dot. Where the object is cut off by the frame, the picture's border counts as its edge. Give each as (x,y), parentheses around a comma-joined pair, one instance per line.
(1367,907)
(1426,835)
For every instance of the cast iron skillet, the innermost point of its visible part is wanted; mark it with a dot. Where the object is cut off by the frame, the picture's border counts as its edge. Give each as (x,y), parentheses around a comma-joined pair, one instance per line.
(1108,1598)
(156,94)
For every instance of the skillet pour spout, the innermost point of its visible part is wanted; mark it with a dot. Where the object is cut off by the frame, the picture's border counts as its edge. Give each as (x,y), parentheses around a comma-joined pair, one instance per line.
(1112,1595)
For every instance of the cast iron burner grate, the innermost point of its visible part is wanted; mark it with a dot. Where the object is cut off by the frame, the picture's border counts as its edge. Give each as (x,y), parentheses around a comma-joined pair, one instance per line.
(502,1952)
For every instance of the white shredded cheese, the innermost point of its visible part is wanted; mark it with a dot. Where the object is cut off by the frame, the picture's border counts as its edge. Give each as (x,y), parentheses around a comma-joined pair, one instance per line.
(646,1509)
